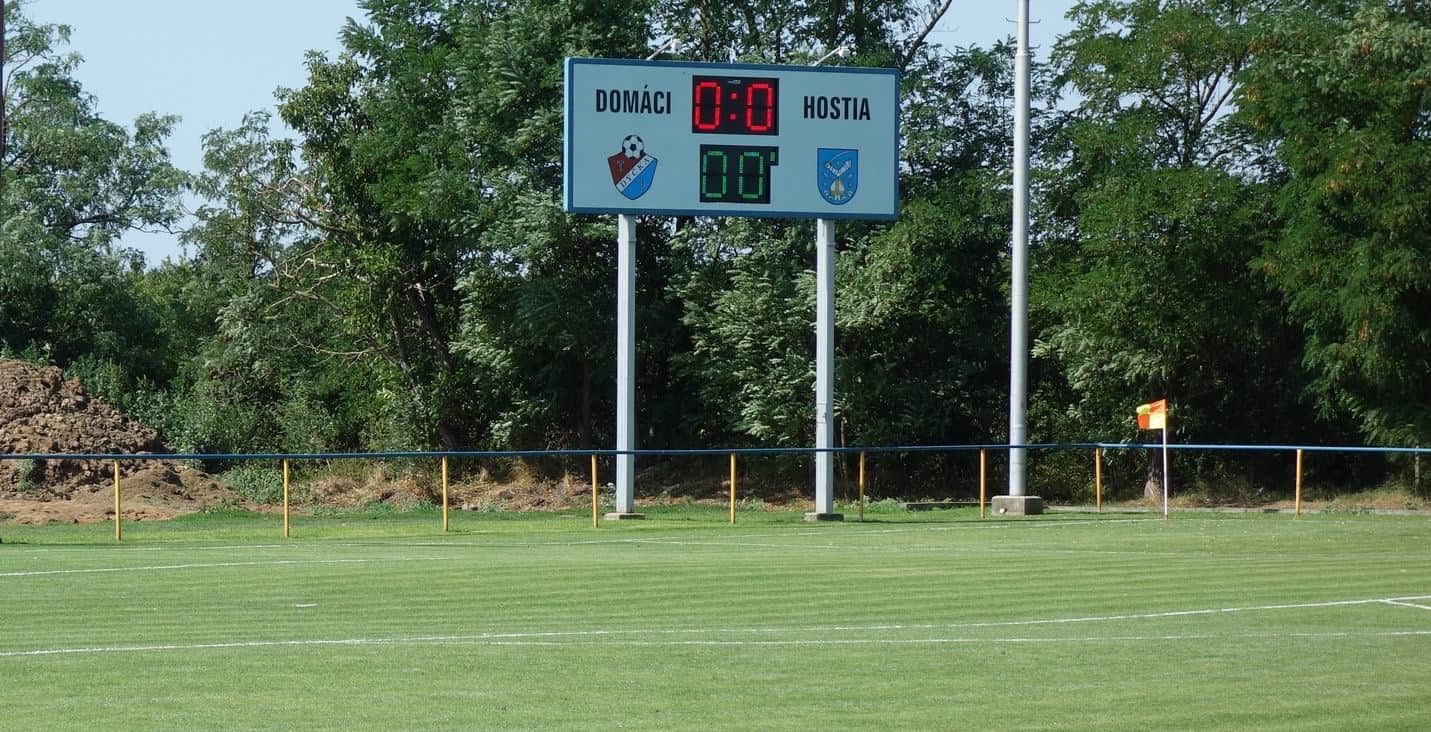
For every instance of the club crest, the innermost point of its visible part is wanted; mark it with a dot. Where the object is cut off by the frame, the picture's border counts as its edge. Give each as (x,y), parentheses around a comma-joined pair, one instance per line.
(632,170)
(838,174)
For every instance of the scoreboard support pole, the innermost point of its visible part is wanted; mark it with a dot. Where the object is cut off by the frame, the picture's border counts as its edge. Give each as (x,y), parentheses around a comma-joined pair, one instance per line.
(625,368)
(824,373)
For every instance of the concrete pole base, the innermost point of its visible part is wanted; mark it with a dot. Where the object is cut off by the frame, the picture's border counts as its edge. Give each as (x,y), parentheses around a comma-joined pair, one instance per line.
(813,517)
(1017,505)
(618,516)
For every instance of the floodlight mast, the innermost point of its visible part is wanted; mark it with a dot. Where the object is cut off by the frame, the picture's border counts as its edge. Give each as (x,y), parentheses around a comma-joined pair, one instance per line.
(1018,330)
(2,94)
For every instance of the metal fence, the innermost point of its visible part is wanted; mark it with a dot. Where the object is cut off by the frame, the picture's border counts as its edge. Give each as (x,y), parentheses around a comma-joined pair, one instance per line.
(983,450)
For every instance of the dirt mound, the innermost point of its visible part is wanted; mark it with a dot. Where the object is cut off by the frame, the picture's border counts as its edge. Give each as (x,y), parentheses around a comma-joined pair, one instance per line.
(42,412)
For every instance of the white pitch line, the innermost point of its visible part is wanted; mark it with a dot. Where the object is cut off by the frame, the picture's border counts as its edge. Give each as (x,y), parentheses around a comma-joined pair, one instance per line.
(619,636)
(965,641)
(213,565)
(507,640)
(1408,604)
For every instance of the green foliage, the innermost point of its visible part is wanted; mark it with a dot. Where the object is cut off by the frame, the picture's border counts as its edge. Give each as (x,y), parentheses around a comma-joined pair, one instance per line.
(1344,96)
(913,368)
(70,184)
(257,483)
(776,32)
(25,473)
(1146,288)
(750,321)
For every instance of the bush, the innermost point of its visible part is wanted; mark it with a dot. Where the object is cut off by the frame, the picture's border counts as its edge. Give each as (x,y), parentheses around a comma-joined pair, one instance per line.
(25,473)
(256,483)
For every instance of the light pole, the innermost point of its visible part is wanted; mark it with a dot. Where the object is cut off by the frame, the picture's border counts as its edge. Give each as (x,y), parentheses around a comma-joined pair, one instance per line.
(2,97)
(1016,502)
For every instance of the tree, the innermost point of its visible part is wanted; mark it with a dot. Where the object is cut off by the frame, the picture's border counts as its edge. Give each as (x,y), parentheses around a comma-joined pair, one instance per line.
(73,183)
(538,299)
(1344,95)
(1145,288)
(416,221)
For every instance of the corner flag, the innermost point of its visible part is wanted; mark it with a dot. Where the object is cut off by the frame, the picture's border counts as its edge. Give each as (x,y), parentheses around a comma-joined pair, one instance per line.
(1153,416)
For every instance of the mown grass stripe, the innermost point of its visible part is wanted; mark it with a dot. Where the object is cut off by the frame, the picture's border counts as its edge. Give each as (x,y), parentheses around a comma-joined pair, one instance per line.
(899,624)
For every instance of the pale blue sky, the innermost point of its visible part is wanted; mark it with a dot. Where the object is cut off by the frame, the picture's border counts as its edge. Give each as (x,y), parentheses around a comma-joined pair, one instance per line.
(212,61)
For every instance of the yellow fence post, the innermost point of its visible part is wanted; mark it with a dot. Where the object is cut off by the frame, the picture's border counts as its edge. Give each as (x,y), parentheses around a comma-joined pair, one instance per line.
(594,495)
(1299,482)
(444,493)
(862,485)
(285,498)
(732,488)
(118,532)
(1098,479)
(983,473)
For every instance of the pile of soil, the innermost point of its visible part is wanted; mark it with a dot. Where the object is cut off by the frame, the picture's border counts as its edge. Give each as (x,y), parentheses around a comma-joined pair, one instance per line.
(42,412)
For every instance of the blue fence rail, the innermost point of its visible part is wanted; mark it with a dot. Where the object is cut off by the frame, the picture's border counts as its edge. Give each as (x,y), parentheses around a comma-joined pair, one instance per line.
(489,454)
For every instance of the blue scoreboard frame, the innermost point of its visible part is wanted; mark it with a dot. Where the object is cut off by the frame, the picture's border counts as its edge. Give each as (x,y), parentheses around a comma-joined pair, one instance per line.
(696,139)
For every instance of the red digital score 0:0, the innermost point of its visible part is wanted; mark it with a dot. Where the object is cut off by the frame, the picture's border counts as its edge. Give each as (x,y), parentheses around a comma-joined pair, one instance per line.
(735,105)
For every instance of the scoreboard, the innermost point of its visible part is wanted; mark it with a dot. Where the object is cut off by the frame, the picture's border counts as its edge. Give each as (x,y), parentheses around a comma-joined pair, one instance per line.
(696,139)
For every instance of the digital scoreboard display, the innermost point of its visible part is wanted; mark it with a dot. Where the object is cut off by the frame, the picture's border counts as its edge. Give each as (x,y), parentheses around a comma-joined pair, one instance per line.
(689,139)
(735,105)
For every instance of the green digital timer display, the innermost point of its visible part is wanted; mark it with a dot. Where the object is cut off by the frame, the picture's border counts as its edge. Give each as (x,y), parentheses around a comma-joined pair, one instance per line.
(736,173)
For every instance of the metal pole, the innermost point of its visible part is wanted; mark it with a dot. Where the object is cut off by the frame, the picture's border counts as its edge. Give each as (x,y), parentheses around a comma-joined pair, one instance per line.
(625,362)
(2,96)
(118,532)
(732,488)
(285,498)
(1018,330)
(1299,482)
(983,473)
(824,368)
(862,485)
(1165,471)
(444,493)
(595,494)
(1098,479)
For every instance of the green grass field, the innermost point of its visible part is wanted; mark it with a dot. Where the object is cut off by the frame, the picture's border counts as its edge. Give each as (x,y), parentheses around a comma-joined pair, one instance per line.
(909,621)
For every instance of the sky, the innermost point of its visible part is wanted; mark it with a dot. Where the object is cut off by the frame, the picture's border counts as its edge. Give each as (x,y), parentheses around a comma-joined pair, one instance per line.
(212,61)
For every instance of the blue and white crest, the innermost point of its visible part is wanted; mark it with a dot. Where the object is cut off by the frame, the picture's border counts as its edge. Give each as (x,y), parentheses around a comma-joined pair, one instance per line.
(838,174)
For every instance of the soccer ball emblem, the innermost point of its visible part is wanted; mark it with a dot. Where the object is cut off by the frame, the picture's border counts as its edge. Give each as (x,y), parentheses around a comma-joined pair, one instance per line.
(632,146)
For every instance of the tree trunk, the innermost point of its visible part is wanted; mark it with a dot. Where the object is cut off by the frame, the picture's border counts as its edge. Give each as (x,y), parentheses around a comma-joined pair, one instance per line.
(1153,484)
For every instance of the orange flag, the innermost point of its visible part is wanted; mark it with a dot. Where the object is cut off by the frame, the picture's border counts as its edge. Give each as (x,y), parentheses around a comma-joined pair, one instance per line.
(1153,416)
